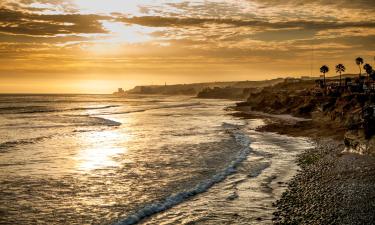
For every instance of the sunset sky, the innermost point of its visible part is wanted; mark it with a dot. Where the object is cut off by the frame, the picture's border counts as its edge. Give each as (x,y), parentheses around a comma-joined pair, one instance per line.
(95,46)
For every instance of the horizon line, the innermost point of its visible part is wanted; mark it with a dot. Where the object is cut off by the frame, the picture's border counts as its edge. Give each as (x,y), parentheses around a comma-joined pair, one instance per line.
(63,93)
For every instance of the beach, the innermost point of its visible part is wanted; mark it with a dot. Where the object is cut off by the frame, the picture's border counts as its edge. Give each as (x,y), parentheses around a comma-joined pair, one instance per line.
(100,159)
(83,164)
(333,185)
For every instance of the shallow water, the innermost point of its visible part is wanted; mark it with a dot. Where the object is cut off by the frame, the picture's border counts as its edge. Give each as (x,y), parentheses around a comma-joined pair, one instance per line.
(246,196)
(98,159)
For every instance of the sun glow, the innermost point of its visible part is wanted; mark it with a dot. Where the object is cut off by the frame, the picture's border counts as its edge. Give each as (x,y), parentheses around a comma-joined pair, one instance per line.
(119,37)
(101,149)
(126,7)
(121,33)
(107,6)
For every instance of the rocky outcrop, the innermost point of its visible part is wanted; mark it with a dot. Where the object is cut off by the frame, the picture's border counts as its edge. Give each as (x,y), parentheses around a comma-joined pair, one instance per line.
(226,93)
(353,111)
(356,142)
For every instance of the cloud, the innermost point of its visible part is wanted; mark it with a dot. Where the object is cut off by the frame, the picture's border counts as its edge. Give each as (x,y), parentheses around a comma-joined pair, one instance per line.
(158,21)
(361,4)
(18,22)
(189,37)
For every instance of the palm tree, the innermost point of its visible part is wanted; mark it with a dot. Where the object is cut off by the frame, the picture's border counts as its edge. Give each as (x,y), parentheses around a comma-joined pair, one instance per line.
(324,69)
(359,62)
(340,68)
(368,69)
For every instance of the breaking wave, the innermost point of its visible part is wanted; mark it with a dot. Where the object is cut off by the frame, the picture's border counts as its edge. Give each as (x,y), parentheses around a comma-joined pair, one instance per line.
(152,108)
(103,121)
(44,109)
(240,137)
(11,144)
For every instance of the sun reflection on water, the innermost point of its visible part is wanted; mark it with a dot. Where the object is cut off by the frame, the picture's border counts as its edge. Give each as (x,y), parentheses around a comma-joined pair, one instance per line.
(96,158)
(100,149)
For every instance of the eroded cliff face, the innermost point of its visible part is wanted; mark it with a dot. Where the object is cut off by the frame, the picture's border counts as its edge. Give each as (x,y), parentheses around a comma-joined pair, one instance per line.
(356,142)
(353,111)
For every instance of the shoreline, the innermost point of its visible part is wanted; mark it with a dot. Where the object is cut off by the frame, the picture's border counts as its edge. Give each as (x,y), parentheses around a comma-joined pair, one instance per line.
(333,186)
(246,195)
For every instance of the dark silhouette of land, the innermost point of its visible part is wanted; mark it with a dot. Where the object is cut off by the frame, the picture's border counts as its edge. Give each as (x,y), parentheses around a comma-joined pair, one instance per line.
(337,178)
(233,88)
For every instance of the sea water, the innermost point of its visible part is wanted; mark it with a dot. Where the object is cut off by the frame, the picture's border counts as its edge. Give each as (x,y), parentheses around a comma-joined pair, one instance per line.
(100,159)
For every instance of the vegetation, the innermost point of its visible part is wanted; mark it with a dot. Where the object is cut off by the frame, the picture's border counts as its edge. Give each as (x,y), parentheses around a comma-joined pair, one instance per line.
(340,68)
(359,83)
(359,62)
(368,69)
(324,69)
(195,88)
(226,92)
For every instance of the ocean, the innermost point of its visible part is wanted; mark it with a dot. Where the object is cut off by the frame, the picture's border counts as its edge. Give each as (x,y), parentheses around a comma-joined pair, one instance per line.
(101,159)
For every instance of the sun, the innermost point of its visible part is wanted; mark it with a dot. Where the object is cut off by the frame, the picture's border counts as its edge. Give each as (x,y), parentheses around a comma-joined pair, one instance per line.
(121,33)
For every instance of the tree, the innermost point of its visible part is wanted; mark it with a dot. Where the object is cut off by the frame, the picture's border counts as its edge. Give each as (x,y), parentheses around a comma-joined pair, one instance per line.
(372,76)
(324,69)
(340,68)
(368,69)
(359,62)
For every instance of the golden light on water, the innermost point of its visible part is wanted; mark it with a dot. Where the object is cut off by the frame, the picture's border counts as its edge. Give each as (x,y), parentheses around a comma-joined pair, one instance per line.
(96,158)
(99,150)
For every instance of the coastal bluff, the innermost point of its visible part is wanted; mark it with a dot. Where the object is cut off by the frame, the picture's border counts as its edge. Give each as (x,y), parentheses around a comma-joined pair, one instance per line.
(350,114)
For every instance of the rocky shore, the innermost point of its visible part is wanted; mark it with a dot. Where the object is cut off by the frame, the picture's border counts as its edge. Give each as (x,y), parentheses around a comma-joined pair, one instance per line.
(333,185)
(340,109)
(336,182)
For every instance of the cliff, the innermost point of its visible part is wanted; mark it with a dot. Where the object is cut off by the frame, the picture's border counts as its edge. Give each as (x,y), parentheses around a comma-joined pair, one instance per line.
(195,88)
(351,111)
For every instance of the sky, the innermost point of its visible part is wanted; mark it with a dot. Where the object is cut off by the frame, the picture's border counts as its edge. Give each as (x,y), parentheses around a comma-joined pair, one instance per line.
(95,46)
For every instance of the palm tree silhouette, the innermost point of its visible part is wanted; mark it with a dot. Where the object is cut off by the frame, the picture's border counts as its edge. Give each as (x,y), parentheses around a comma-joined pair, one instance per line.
(324,69)
(368,69)
(359,62)
(340,68)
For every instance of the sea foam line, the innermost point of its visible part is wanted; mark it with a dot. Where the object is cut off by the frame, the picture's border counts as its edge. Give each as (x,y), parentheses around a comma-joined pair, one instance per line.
(153,208)
(152,108)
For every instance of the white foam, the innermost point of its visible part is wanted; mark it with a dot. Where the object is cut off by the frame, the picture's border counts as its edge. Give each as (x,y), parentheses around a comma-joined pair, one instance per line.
(287,117)
(241,138)
(152,108)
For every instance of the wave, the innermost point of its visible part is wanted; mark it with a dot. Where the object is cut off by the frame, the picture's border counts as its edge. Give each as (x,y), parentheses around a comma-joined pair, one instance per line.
(240,137)
(93,121)
(152,108)
(44,109)
(103,121)
(11,144)
(67,122)
(23,109)
(91,108)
